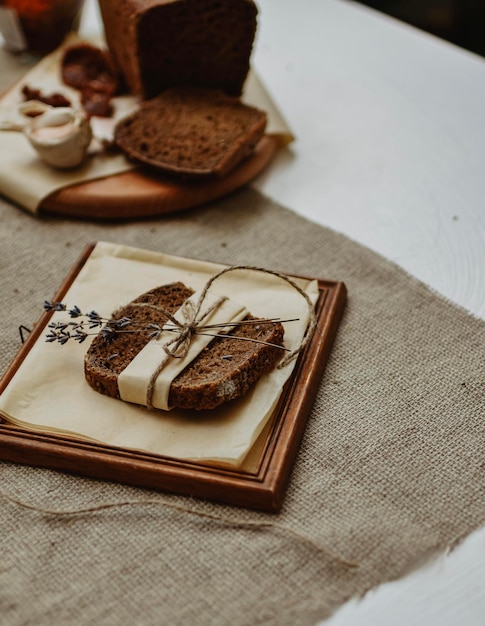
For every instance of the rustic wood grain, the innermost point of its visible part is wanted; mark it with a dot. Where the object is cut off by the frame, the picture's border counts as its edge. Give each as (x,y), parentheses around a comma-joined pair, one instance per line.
(141,193)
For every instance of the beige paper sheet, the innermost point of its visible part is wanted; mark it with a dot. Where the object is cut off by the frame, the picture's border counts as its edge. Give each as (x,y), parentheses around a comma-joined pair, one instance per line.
(49,391)
(25,179)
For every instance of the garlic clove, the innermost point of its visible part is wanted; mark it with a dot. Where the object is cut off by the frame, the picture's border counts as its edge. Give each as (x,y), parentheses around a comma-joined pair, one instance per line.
(15,118)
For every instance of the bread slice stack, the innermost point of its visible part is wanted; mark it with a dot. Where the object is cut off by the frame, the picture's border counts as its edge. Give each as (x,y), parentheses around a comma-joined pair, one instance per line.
(225,370)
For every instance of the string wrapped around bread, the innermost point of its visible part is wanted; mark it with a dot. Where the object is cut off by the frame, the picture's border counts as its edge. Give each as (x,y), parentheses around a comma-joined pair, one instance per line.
(173,347)
(225,370)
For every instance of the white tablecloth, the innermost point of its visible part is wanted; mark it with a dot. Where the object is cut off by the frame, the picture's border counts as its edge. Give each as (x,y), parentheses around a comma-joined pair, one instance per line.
(390,150)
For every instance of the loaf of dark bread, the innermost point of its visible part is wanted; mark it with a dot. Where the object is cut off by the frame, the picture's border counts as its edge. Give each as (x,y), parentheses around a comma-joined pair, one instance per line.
(191,131)
(162,43)
(226,369)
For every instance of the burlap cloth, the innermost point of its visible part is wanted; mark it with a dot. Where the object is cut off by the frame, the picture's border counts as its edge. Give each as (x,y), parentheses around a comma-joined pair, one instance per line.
(390,472)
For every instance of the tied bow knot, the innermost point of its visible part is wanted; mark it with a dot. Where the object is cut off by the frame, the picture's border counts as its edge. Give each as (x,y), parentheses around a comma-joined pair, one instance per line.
(179,345)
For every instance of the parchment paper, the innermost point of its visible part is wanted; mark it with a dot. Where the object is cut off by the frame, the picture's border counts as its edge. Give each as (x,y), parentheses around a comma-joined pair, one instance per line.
(25,179)
(49,391)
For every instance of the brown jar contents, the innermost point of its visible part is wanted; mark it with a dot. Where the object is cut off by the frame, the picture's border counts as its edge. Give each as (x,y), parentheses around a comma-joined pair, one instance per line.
(90,70)
(43,24)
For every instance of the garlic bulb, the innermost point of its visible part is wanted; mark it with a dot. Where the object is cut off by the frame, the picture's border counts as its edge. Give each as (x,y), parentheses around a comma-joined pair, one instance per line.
(61,136)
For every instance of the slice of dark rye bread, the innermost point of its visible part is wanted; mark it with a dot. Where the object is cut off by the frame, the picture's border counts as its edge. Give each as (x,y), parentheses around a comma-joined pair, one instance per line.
(191,131)
(223,371)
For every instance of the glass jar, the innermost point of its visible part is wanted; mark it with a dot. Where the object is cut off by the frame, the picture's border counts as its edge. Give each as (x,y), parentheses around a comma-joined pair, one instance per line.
(37,26)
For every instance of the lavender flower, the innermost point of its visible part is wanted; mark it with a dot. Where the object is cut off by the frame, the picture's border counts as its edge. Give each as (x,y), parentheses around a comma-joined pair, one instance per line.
(62,332)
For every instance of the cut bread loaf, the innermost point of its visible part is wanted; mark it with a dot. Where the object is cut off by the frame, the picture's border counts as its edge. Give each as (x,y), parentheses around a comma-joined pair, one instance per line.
(191,132)
(162,43)
(223,371)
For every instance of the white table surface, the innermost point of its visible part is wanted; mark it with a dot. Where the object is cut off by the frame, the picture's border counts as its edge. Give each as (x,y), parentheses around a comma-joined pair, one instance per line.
(390,150)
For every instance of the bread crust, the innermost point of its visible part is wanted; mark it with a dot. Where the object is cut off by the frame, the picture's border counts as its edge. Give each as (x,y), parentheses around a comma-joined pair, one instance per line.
(222,372)
(161,43)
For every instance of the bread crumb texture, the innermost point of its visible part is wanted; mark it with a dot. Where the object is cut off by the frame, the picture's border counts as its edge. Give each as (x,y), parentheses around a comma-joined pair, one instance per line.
(191,131)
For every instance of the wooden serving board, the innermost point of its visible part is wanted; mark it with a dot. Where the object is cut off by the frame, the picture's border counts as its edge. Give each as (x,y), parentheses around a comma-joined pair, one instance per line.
(261,481)
(139,193)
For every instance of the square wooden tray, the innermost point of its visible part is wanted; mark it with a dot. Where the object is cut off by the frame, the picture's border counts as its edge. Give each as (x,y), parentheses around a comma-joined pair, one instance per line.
(260,483)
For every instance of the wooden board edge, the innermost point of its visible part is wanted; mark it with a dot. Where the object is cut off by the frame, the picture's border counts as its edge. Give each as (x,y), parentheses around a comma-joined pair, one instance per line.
(146,195)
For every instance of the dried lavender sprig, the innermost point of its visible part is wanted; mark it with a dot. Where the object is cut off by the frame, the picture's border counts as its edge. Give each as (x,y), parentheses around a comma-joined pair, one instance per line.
(96,319)
(63,336)
(59,331)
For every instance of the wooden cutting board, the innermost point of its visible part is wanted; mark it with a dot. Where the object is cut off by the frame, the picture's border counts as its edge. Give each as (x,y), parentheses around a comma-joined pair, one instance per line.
(139,193)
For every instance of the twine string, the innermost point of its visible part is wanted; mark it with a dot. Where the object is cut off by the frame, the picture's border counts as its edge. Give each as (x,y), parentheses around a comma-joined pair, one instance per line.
(193,316)
(193,320)
(178,346)
(222,519)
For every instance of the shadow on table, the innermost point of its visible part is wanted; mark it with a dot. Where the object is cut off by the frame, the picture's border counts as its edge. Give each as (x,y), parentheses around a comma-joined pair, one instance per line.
(460,21)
